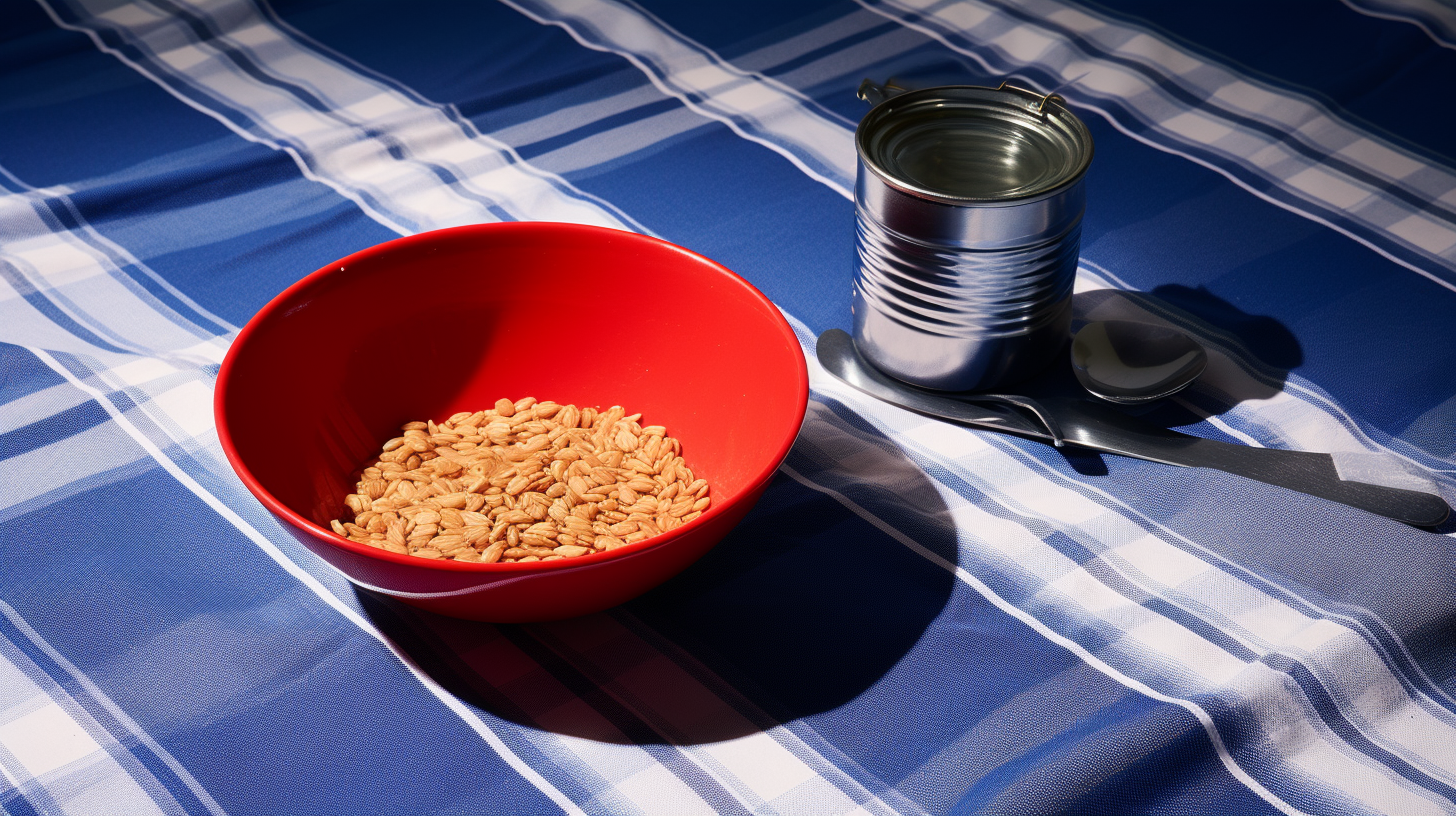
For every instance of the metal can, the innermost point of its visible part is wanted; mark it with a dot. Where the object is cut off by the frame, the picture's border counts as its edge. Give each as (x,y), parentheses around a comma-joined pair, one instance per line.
(968,209)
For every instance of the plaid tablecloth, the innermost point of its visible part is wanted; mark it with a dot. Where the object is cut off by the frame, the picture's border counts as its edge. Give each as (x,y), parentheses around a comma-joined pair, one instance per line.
(917,618)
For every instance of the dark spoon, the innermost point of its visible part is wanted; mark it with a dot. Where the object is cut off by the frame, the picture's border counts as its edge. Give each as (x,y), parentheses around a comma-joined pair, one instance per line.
(1130,363)
(1087,423)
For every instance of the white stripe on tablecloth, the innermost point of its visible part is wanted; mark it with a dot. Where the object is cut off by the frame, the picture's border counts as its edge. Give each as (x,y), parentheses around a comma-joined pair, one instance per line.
(38,405)
(1210,134)
(1435,18)
(846,67)
(40,200)
(171,355)
(623,140)
(602,146)
(82,281)
(753,106)
(769,57)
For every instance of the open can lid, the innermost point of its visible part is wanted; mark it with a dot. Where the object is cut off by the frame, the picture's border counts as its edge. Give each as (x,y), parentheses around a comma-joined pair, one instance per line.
(966,144)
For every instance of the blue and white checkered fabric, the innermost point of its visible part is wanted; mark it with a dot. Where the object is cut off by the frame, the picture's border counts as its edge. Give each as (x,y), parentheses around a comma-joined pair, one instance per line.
(917,618)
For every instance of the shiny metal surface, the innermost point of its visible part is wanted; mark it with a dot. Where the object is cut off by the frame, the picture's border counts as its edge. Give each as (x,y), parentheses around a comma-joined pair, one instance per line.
(1131,363)
(969,204)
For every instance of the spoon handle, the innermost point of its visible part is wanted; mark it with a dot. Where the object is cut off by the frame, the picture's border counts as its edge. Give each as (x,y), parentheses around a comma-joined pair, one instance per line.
(1094,426)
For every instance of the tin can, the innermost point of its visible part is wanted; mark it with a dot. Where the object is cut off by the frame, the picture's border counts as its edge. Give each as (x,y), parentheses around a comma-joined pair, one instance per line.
(968,208)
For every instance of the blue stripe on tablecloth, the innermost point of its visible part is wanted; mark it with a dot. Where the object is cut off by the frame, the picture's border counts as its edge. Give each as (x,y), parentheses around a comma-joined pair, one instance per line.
(17,806)
(55,427)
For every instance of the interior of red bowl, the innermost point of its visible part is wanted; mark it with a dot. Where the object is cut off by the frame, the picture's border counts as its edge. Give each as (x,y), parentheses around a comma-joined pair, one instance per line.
(449,321)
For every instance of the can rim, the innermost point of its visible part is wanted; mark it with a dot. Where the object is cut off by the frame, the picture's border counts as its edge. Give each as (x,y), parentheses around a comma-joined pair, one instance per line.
(1042,105)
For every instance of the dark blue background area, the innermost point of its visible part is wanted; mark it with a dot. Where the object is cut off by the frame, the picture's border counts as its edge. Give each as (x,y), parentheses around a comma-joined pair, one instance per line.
(1374,69)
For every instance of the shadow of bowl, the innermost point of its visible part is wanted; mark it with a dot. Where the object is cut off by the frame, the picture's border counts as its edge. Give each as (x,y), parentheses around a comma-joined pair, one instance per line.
(804,606)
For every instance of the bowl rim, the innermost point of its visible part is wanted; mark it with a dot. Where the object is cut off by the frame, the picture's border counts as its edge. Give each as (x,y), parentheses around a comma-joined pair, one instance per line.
(283,300)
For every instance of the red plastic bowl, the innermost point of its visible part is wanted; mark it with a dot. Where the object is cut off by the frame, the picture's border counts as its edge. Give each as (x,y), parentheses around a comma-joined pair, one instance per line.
(448,321)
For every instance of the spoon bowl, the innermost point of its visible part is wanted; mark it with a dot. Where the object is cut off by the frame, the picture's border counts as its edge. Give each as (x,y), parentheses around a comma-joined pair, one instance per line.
(1131,363)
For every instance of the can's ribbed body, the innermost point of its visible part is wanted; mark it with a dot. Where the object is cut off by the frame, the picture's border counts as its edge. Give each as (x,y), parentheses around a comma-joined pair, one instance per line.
(966,287)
